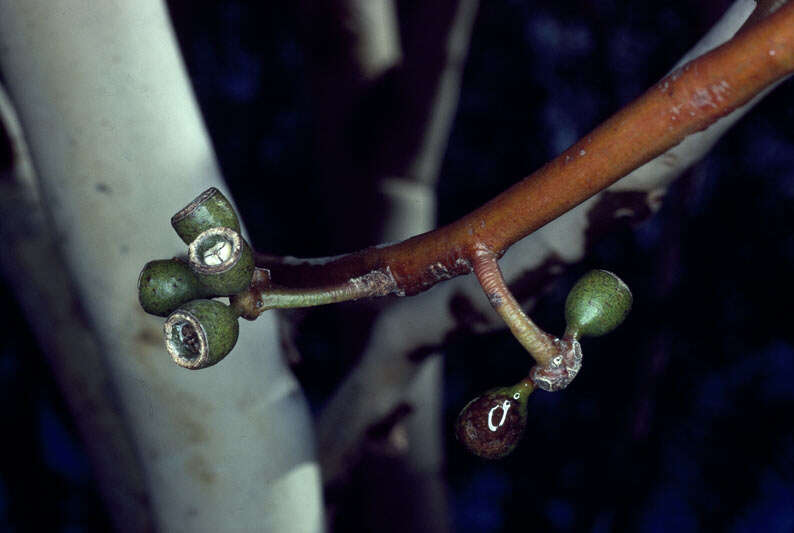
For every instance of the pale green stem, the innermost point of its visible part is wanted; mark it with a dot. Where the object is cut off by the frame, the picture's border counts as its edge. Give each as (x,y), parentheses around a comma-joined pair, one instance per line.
(263,295)
(285,298)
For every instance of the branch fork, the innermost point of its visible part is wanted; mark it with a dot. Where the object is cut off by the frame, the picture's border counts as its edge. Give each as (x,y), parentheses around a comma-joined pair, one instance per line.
(557,360)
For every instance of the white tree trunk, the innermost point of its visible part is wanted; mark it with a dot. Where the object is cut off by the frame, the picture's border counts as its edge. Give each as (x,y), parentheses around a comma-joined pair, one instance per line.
(118,143)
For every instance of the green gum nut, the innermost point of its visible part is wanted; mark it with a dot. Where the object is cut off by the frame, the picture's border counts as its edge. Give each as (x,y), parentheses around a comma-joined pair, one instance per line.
(492,424)
(200,333)
(165,284)
(222,261)
(210,209)
(596,305)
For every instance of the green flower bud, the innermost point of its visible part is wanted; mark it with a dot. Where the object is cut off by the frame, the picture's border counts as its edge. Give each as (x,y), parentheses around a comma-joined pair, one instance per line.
(165,284)
(210,209)
(200,333)
(222,261)
(492,424)
(596,305)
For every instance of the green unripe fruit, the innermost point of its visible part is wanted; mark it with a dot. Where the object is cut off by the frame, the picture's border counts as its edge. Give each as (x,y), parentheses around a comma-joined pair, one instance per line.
(222,261)
(596,305)
(165,284)
(200,333)
(210,209)
(492,424)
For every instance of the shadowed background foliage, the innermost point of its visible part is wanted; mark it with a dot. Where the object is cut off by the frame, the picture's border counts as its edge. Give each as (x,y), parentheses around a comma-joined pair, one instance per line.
(689,431)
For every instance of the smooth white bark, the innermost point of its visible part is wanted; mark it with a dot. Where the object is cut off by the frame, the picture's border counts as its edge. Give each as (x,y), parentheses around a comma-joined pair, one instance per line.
(368,394)
(47,299)
(119,145)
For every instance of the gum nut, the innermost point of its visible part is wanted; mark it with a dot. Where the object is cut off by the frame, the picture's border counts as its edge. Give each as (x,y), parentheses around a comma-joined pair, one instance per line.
(222,261)
(201,333)
(210,209)
(597,304)
(492,424)
(165,284)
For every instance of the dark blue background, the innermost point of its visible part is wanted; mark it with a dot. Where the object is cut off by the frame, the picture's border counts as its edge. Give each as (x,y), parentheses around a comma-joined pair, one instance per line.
(680,420)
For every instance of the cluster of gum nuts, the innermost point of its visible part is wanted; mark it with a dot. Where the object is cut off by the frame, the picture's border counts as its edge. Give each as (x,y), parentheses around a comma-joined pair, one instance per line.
(199,331)
(492,424)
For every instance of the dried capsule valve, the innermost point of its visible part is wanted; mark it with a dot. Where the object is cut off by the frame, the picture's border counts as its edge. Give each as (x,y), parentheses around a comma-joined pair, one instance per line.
(222,261)
(200,333)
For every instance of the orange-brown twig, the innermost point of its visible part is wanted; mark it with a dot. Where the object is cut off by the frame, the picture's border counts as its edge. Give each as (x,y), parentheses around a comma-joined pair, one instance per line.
(686,101)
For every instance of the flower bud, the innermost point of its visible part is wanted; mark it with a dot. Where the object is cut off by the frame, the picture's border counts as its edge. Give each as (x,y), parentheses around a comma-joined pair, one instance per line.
(210,209)
(165,284)
(596,305)
(492,424)
(222,261)
(200,333)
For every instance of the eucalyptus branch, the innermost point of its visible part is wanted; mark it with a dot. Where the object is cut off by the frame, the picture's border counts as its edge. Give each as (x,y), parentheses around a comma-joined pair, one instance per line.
(200,332)
(688,100)
(372,391)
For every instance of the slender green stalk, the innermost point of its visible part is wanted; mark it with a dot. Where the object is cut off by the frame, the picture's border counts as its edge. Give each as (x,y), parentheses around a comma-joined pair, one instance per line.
(263,295)
(285,298)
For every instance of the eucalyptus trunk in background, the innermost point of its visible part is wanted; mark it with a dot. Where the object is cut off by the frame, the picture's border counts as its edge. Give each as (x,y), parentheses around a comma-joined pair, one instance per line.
(118,144)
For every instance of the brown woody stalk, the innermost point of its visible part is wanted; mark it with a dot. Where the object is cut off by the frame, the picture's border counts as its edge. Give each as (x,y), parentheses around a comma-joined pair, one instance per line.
(686,101)
(537,342)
